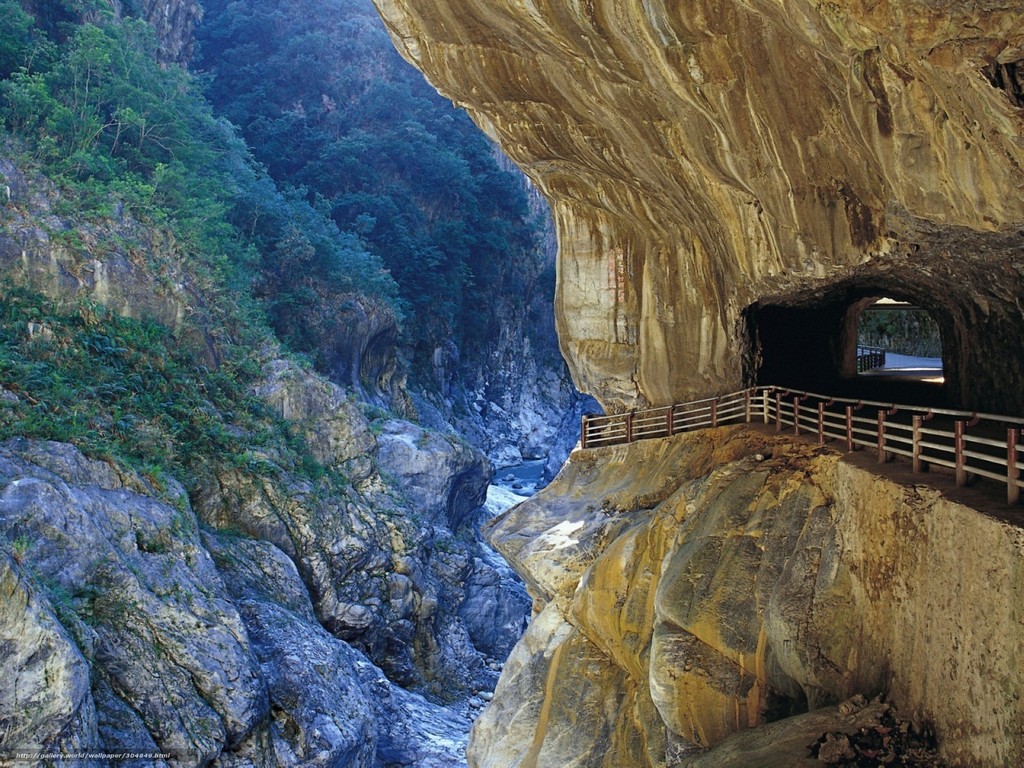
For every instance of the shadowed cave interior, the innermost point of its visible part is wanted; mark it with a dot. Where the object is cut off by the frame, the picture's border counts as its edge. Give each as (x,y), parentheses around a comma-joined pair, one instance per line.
(809,342)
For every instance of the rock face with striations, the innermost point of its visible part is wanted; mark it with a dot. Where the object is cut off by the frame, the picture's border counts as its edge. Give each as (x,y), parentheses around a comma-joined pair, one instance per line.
(695,587)
(129,626)
(173,21)
(733,182)
(722,172)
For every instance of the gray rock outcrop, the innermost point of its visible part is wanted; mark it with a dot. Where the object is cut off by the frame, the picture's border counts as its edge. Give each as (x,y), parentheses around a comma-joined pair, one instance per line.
(442,477)
(130,625)
(139,594)
(133,270)
(45,701)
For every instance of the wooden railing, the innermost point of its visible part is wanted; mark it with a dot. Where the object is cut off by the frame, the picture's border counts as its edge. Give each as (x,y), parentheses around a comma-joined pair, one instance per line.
(970,444)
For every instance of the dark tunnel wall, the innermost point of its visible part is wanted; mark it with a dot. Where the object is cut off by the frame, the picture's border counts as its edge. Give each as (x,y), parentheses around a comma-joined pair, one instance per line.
(799,347)
(970,283)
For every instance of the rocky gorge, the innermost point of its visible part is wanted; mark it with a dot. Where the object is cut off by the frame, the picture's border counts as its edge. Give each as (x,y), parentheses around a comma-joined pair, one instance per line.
(260,616)
(732,184)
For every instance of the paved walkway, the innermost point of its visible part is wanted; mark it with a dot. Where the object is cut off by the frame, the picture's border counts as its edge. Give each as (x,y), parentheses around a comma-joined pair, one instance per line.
(985,496)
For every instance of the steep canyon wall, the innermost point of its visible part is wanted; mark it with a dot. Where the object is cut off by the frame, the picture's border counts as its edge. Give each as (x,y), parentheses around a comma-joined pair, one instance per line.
(709,160)
(686,589)
(732,182)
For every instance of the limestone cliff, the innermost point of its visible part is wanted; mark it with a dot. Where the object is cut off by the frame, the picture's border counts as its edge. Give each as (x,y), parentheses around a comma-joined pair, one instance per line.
(733,181)
(693,587)
(174,22)
(729,178)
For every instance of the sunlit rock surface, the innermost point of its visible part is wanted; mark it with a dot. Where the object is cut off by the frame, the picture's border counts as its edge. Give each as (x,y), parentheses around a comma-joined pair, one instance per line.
(733,181)
(46,698)
(718,167)
(107,261)
(695,587)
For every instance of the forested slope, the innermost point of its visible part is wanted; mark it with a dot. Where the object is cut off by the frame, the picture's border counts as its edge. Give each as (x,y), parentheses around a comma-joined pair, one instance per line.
(334,113)
(341,121)
(203,472)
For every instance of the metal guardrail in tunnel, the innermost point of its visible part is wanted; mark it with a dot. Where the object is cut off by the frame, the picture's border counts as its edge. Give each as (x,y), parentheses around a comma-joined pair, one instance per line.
(970,444)
(869,358)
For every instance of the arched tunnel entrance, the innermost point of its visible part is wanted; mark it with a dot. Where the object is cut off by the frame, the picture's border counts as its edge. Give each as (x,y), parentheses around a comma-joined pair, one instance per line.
(810,342)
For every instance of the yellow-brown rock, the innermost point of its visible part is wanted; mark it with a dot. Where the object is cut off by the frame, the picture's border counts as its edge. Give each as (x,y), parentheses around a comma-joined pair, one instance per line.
(712,161)
(693,587)
(733,181)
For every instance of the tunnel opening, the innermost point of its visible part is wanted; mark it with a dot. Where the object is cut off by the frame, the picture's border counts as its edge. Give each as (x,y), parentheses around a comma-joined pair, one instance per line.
(816,343)
(898,339)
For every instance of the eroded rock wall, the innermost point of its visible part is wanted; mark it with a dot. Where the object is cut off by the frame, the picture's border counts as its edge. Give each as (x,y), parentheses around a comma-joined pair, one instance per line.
(731,182)
(129,627)
(174,22)
(706,158)
(691,588)
(135,271)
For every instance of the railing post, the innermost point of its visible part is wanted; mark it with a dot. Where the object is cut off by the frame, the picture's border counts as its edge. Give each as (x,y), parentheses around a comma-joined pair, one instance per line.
(629,427)
(746,405)
(1012,470)
(583,430)
(796,415)
(920,465)
(959,427)
(915,440)
(778,411)
(849,428)
(670,420)
(881,436)
(764,405)
(821,422)
(714,412)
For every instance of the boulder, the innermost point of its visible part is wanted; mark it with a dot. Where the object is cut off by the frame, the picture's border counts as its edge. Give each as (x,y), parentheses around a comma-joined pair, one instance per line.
(336,429)
(46,704)
(141,593)
(441,477)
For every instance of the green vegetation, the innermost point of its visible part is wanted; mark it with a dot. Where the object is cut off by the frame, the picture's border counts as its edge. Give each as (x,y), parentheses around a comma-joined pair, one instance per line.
(335,114)
(20,547)
(362,181)
(124,138)
(901,331)
(118,131)
(127,391)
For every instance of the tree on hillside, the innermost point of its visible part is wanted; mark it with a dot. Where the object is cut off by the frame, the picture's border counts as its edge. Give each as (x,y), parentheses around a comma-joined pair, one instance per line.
(102,114)
(329,107)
